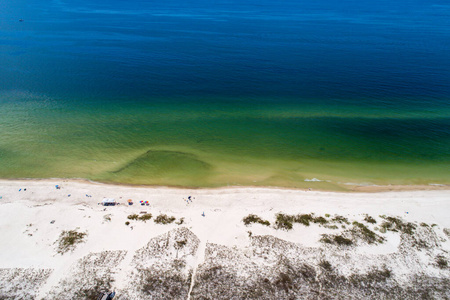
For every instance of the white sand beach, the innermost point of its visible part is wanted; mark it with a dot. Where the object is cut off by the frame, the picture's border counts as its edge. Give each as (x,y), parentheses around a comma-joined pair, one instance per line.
(213,219)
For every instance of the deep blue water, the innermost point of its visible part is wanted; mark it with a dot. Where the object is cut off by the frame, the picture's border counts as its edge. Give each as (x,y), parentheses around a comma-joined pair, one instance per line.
(322,50)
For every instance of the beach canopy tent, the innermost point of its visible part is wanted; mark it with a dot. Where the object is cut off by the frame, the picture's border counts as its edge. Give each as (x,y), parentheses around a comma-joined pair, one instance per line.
(109,202)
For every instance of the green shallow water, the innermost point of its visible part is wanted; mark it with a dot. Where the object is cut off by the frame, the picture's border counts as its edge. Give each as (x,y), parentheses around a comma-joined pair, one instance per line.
(219,142)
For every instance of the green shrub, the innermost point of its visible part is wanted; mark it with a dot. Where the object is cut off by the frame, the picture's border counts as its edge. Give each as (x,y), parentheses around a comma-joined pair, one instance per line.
(164,219)
(331,226)
(307,271)
(180,244)
(255,219)
(447,232)
(340,240)
(284,281)
(283,221)
(336,239)
(133,217)
(379,274)
(369,219)
(366,234)
(325,265)
(68,239)
(441,262)
(320,220)
(264,222)
(250,219)
(304,219)
(127,223)
(145,217)
(396,224)
(340,219)
(373,277)
(325,239)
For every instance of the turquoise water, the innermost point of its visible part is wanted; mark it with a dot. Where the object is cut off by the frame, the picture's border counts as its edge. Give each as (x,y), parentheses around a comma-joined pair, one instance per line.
(226,93)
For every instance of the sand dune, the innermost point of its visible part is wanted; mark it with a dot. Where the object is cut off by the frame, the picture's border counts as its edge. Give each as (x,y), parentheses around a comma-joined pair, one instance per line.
(208,252)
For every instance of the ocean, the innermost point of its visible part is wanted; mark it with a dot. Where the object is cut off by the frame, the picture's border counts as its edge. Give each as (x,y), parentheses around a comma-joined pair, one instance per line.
(318,94)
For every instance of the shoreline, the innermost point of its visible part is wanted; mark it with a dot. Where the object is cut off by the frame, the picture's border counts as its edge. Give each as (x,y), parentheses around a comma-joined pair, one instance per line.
(352,188)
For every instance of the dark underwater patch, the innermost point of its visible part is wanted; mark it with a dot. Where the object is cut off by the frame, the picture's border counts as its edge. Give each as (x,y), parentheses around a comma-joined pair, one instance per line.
(165,164)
